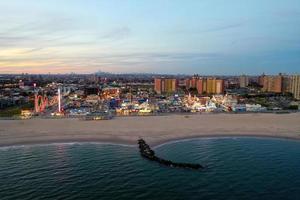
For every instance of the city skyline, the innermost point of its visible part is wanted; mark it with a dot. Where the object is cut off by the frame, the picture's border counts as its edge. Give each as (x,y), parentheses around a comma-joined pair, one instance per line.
(149,99)
(167,37)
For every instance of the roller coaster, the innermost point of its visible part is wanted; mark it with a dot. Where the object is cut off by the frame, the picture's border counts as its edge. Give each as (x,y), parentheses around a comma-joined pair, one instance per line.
(42,102)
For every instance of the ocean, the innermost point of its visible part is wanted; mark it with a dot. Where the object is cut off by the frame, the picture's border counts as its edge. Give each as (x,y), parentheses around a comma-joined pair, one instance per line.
(235,168)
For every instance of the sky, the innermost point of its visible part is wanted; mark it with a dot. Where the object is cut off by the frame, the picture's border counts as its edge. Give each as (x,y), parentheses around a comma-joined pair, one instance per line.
(209,37)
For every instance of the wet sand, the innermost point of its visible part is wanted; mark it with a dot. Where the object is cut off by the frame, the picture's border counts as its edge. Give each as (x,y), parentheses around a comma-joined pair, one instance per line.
(154,129)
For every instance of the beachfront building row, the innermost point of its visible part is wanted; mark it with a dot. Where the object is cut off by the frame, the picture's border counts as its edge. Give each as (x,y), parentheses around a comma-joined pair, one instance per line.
(210,85)
(281,83)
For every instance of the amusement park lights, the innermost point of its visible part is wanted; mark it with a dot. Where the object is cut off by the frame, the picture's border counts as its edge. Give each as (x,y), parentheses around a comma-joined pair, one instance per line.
(41,102)
(59,100)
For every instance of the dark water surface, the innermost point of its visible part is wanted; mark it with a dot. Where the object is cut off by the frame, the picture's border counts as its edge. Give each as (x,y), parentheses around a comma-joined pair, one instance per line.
(237,168)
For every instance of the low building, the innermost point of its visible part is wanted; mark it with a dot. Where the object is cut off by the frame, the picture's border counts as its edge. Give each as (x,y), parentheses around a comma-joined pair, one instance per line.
(26,114)
(239,108)
(255,108)
(99,115)
(92,99)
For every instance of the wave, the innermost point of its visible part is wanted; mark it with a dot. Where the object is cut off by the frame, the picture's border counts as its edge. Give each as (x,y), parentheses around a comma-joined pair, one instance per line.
(3,148)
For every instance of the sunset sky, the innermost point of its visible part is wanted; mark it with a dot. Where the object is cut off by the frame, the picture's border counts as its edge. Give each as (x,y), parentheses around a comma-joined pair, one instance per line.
(175,36)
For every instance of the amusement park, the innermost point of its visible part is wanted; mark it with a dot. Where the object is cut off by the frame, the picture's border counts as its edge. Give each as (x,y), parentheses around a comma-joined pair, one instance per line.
(97,98)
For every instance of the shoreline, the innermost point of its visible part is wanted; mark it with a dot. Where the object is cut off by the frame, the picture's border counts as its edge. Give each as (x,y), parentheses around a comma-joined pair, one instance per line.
(156,130)
(154,145)
(279,112)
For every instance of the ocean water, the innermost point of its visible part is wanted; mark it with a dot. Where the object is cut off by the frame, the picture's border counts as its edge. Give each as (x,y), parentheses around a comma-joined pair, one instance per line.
(236,168)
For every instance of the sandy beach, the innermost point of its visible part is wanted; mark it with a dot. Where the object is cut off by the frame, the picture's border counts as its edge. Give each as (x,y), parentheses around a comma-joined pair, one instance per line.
(155,129)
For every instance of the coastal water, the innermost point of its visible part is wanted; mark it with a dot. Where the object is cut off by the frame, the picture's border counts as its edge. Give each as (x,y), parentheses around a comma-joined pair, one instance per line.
(237,168)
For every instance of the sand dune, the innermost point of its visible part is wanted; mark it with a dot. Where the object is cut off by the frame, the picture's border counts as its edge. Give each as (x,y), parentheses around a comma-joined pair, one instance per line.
(155,129)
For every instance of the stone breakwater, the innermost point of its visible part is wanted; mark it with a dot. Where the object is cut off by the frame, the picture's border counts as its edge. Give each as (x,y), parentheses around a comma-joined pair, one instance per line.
(149,154)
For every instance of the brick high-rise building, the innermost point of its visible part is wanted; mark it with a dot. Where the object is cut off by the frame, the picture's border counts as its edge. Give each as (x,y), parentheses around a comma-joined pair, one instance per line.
(244,81)
(272,83)
(165,85)
(292,84)
(261,80)
(219,86)
(199,86)
(295,86)
(211,86)
(192,82)
(206,85)
(286,83)
(157,85)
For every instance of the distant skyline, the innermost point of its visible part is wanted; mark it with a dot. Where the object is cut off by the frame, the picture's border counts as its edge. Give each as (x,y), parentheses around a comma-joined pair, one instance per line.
(209,37)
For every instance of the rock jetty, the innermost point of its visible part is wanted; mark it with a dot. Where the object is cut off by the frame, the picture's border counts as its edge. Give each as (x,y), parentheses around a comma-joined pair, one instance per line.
(149,154)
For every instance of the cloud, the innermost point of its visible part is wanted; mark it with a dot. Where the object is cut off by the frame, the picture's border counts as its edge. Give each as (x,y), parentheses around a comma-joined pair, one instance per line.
(122,62)
(211,29)
(117,33)
(32,50)
(288,13)
(48,34)
(222,27)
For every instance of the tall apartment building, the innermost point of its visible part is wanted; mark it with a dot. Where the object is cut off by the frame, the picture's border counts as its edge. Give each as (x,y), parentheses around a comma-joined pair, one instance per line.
(244,81)
(272,83)
(292,84)
(157,85)
(219,86)
(286,84)
(200,86)
(192,82)
(295,86)
(279,83)
(211,86)
(206,85)
(165,85)
(261,80)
